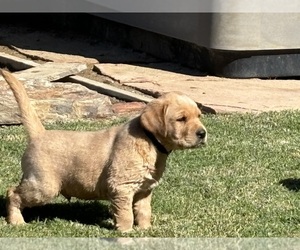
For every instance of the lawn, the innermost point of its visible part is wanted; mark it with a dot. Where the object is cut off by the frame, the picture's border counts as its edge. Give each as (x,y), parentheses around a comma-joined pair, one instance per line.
(245,183)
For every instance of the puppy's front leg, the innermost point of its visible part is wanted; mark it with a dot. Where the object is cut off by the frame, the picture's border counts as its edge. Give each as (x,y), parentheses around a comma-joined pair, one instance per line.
(142,209)
(122,211)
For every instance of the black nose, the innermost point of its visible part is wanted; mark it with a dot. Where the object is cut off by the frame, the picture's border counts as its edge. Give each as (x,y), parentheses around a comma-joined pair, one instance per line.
(201,133)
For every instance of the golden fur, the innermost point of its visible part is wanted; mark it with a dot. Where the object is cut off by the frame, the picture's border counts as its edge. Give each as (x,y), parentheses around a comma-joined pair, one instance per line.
(121,164)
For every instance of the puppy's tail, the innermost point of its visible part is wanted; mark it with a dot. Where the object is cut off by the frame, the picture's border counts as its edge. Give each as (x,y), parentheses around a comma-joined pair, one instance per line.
(29,117)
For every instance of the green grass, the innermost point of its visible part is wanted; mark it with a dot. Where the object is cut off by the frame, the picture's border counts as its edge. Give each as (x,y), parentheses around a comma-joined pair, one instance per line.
(245,183)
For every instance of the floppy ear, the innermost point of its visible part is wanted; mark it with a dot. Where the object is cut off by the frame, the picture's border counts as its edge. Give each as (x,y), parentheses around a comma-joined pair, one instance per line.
(153,117)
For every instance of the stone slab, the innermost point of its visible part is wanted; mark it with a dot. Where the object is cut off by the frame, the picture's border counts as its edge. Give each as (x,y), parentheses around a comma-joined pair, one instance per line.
(53,100)
(128,107)
(219,94)
(49,72)
(56,101)
(103,88)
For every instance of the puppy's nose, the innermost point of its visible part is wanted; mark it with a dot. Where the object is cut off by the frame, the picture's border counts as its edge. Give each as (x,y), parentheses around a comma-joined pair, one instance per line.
(201,133)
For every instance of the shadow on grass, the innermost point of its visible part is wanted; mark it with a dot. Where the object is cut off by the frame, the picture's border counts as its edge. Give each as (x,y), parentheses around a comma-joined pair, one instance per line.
(85,212)
(292,184)
(2,206)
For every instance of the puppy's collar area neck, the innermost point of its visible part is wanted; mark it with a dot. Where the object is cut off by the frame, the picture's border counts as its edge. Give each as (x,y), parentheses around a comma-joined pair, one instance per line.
(156,143)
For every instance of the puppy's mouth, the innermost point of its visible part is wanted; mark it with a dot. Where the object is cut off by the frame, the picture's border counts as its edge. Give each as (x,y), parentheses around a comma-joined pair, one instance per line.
(199,144)
(190,145)
(192,140)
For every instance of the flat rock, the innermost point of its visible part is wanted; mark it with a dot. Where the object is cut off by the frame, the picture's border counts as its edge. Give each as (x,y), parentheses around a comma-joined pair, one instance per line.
(52,100)
(49,72)
(62,101)
(56,101)
(218,94)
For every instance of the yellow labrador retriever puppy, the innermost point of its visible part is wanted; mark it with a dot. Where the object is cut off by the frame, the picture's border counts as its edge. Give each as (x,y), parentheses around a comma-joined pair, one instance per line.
(125,165)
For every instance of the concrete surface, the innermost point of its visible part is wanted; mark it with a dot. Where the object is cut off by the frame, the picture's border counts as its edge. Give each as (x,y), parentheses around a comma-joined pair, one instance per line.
(219,94)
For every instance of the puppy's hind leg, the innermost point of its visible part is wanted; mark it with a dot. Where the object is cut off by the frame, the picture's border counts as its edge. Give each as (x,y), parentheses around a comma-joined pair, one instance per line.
(27,194)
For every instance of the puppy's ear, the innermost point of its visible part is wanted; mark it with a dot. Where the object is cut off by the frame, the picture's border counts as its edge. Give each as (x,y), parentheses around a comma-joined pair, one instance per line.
(153,118)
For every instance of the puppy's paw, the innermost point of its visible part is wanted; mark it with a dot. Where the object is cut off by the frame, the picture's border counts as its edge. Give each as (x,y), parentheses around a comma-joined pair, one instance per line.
(124,229)
(144,226)
(15,219)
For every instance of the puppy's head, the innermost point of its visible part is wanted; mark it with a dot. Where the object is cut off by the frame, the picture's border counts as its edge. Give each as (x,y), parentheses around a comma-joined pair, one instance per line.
(174,120)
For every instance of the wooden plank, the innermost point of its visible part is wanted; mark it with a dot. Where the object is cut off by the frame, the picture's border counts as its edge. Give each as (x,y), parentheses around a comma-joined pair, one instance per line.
(110,90)
(15,62)
(50,72)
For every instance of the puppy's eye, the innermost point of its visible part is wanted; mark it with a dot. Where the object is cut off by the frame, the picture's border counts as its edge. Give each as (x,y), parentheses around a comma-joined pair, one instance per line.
(181,119)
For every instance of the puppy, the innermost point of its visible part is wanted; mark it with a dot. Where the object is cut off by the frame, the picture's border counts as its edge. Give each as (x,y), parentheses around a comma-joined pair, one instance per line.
(121,164)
